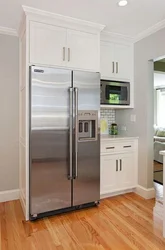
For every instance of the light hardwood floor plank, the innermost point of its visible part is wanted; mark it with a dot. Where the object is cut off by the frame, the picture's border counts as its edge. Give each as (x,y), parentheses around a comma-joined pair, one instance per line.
(123,222)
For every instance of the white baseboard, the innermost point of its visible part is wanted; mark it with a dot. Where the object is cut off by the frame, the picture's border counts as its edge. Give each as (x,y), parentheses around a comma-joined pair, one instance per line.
(9,195)
(106,195)
(147,193)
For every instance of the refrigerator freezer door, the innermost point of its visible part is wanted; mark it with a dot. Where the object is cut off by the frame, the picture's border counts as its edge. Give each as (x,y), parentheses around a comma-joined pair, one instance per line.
(50,187)
(86,186)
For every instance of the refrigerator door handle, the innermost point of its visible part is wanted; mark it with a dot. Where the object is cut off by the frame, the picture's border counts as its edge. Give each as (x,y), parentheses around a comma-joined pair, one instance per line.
(70,176)
(76,132)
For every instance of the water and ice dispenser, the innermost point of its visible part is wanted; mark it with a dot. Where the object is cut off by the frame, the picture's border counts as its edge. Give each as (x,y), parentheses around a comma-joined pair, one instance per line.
(87,125)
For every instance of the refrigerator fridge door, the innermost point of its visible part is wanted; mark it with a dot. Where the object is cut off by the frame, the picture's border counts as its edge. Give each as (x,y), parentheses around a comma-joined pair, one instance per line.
(51,102)
(86,170)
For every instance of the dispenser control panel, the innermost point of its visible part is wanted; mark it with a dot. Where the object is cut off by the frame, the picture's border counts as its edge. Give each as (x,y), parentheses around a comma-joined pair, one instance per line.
(87,124)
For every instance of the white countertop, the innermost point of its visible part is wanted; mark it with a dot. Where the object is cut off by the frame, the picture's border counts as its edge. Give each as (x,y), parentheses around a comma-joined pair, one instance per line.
(162,153)
(116,137)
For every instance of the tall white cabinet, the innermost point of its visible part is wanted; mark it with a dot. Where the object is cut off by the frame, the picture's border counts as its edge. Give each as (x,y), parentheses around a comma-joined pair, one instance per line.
(50,40)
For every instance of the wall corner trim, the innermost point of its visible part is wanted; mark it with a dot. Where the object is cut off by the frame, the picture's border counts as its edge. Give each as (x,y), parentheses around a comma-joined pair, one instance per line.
(8,31)
(9,195)
(147,193)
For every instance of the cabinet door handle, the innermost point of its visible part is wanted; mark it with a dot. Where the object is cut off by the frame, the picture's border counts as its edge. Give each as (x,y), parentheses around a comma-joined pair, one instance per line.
(116,165)
(63,53)
(110,147)
(120,165)
(129,146)
(113,67)
(68,54)
(117,67)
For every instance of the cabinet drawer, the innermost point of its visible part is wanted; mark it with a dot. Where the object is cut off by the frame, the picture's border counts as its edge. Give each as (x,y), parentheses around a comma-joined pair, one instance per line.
(113,147)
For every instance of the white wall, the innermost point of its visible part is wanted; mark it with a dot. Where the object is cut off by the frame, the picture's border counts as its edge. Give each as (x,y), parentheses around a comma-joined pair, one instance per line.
(147,49)
(9,100)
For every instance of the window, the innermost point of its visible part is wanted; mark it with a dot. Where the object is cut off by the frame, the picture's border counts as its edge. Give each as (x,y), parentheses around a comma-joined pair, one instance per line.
(161,107)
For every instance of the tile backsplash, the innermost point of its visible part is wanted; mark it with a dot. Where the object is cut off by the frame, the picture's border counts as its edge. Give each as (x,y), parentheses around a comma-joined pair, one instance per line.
(109,114)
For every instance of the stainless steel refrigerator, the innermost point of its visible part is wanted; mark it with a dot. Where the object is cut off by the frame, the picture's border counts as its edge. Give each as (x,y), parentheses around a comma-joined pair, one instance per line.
(64,140)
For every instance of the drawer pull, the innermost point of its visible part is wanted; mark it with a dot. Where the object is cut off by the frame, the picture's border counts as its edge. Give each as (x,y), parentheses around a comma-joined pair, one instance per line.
(127,146)
(110,147)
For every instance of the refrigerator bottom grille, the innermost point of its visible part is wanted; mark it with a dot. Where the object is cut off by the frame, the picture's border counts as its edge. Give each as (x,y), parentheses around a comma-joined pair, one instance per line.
(64,210)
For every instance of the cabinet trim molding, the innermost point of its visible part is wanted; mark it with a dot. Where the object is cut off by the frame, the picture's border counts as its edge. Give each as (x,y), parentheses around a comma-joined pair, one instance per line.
(66,20)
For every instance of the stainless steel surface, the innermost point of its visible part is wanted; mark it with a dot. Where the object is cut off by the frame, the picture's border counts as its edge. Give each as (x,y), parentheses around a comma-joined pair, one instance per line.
(86,188)
(113,67)
(120,165)
(76,132)
(116,165)
(117,68)
(63,53)
(64,166)
(50,188)
(89,125)
(70,176)
(68,54)
(105,83)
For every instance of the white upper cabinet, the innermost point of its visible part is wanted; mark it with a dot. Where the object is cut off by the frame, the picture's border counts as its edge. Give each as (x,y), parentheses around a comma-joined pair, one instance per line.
(123,61)
(107,59)
(47,44)
(57,46)
(115,61)
(83,50)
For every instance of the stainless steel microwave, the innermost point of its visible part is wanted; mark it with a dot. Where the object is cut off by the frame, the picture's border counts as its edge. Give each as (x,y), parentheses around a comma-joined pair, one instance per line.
(115,93)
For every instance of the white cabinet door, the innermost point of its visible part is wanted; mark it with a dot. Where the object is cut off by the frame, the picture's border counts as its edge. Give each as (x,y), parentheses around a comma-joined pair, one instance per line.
(123,62)
(83,50)
(107,60)
(127,171)
(47,43)
(108,179)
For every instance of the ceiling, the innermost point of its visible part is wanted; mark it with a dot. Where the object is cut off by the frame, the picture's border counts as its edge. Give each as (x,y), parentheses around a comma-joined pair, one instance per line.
(132,20)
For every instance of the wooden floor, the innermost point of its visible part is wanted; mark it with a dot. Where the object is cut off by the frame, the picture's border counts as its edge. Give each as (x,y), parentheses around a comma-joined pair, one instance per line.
(158,166)
(121,223)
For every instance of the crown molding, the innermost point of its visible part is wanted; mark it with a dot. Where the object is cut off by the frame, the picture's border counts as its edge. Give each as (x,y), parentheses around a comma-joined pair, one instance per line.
(106,36)
(33,11)
(8,31)
(158,26)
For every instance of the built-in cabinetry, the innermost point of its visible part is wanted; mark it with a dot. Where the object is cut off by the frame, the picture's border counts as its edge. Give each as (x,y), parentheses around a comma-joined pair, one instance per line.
(116,63)
(119,162)
(50,40)
(57,46)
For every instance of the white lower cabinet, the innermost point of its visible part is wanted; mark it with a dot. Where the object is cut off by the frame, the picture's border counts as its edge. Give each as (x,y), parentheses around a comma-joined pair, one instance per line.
(108,173)
(126,170)
(118,167)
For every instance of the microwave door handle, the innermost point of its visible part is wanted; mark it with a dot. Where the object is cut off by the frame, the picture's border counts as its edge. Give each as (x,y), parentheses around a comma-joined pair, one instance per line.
(76,132)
